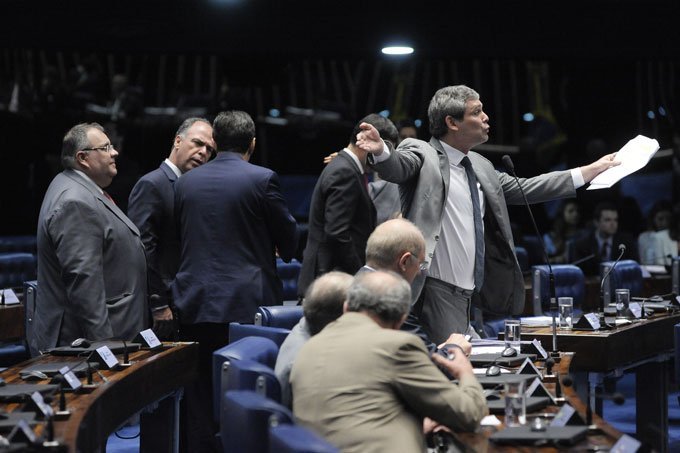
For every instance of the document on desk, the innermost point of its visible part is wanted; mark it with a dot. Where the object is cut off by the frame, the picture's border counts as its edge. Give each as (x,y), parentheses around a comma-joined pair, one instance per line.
(633,156)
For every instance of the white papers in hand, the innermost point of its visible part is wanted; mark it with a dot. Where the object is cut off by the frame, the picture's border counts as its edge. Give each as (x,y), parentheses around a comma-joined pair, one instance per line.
(633,156)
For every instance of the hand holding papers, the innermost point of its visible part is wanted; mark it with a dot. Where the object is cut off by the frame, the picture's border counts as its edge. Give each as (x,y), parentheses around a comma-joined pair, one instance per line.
(633,156)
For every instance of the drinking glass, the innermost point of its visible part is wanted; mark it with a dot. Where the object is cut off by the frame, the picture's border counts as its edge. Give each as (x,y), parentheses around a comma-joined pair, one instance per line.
(566,311)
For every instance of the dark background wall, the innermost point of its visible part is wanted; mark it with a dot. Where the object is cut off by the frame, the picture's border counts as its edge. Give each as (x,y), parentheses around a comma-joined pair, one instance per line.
(594,74)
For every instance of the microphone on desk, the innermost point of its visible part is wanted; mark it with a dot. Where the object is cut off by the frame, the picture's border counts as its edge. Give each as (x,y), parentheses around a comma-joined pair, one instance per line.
(507,162)
(622,250)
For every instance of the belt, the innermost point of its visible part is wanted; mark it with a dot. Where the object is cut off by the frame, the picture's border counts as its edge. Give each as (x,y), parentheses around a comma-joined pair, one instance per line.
(450,287)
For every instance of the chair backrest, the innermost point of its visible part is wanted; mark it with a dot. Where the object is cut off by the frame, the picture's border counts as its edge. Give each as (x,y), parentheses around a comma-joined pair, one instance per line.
(259,349)
(288,273)
(569,282)
(626,274)
(297,439)
(675,273)
(251,375)
(534,249)
(19,244)
(16,268)
(30,294)
(676,337)
(284,316)
(246,418)
(238,331)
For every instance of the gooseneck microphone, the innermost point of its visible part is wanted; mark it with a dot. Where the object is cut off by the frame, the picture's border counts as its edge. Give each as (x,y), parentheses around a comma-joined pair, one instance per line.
(507,162)
(622,250)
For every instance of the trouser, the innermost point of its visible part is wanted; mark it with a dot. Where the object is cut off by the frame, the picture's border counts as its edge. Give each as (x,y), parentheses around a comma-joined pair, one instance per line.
(445,310)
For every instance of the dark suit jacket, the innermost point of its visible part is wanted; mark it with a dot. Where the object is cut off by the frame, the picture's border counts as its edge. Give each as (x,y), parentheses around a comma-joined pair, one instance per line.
(151,208)
(91,267)
(232,219)
(587,245)
(341,217)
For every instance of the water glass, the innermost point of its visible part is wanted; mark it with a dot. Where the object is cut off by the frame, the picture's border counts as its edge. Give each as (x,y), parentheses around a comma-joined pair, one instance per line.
(513,333)
(566,311)
(515,403)
(622,302)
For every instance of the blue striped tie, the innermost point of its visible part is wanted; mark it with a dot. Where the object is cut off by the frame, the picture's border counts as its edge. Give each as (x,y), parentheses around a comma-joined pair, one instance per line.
(477,215)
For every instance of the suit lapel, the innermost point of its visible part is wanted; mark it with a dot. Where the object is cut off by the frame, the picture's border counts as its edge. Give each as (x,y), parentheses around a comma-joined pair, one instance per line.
(108,203)
(444,168)
(358,175)
(168,172)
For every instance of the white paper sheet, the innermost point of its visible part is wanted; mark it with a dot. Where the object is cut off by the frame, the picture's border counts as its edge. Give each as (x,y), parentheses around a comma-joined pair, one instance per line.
(633,156)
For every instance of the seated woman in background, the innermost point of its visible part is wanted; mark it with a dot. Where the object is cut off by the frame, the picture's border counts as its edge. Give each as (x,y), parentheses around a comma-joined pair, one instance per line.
(567,225)
(657,238)
(665,243)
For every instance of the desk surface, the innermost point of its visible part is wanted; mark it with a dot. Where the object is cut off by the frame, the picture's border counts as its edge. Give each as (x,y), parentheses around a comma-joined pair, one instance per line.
(95,415)
(606,350)
(605,438)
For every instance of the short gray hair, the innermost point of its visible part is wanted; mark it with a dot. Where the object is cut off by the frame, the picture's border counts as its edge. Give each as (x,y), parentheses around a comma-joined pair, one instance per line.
(324,299)
(187,123)
(448,101)
(384,293)
(76,140)
(390,240)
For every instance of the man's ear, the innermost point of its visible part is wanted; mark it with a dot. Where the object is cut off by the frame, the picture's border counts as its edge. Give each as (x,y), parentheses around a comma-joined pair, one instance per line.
(81,158)
(451,122)
(403,259)
(345,307)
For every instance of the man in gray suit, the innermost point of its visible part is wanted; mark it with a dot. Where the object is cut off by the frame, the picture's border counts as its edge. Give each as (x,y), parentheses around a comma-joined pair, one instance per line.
(467,232)
(91,264)
(152,207)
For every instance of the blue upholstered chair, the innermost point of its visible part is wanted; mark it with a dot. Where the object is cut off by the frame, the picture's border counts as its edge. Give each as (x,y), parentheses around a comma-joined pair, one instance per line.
(246,418)
(251,375)
(676,337)
(297,439)
(19,244)
(675,273)
(288,273)
(16,268)
(238,331)
(18,351)
(569,282)
(283,316)
(626,274)
(259,349)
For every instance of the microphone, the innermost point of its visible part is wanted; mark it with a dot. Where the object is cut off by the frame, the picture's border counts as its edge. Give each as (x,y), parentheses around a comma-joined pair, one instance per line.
(507,162)
(622,250)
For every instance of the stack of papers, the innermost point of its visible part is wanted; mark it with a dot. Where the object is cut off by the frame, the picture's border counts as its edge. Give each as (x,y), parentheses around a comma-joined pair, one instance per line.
(633,156)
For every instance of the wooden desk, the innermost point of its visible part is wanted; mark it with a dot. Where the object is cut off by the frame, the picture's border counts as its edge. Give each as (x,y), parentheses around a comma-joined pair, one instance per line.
(94,416)
(644,346)
(11,322)
(605,437)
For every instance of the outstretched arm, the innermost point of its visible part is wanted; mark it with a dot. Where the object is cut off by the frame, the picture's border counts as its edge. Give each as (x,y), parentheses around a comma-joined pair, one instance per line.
(589,172)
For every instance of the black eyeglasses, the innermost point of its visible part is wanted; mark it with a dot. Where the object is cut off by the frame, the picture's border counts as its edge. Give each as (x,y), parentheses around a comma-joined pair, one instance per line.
(108,148)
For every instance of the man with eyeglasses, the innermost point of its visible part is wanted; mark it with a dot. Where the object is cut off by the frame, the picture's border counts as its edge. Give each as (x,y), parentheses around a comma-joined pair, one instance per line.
(91,263)
(151,208)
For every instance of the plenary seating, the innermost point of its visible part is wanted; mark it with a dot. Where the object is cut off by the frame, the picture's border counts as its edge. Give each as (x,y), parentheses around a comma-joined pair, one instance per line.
(16,268)
(238,331)
(258,349)
(16,352)
(626,274)
(19,244)
(245,421)
(569,282)
(297,439)
(289,273)
(283,316)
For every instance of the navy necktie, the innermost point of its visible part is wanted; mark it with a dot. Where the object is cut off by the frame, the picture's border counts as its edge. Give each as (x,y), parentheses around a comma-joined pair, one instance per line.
(477,215)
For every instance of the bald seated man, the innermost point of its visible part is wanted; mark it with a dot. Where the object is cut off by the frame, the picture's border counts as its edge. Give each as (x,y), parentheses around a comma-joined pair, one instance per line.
(323,303)
(366,387)
(398,245)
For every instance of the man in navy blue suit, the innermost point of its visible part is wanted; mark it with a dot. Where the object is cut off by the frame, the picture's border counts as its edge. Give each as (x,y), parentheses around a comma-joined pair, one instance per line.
(151,208)
(232,221)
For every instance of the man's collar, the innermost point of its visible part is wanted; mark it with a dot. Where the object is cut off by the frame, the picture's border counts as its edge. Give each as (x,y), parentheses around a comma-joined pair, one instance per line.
(173,167)
(355,159)
(87,178)
(455,156)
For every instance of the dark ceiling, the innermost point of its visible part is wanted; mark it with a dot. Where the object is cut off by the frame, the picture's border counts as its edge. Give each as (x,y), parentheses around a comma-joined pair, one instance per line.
(301,28)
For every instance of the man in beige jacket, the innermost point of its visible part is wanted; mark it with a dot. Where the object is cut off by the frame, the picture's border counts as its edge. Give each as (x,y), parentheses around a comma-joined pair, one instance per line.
(366,386)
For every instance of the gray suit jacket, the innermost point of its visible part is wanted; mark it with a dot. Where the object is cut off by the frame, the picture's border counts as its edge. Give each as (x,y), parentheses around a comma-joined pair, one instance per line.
(366,389)
(422,171)
(91,267)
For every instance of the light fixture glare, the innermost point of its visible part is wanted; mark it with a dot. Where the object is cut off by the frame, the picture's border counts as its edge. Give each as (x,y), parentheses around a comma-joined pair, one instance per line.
(397,50)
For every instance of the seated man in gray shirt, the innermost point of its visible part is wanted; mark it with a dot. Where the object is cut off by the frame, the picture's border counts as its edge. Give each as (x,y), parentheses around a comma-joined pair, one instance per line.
(322,305)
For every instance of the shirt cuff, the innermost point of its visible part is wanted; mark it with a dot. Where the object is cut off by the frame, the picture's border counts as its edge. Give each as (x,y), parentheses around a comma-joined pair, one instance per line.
(577,178)
(384,156)
(162,307)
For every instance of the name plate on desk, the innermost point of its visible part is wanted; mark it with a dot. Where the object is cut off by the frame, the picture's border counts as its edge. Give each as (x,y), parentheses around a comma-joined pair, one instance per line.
(589,321)
(528,367)
(106,357)
(567,416)
(70,378)
(536,388)
(8,297)
(149,339)
(37,401)
(626,444)
(635,309)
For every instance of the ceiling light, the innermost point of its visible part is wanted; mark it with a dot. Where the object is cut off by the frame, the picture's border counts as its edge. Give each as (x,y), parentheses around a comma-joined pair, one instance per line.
(397,50)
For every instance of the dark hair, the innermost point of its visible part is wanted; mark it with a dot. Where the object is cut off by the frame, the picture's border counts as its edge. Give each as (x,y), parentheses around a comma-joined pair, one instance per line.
(74,141)
(387,129)
(324,300)
(233,131)
(603,206)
